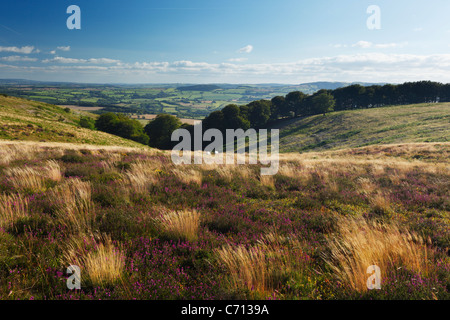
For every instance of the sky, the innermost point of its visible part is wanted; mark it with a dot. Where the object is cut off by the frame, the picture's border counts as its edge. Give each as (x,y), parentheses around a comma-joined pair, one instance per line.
(226,41)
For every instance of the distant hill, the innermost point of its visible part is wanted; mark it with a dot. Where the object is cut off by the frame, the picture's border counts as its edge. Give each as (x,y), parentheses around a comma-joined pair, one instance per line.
(358,128)
(199,87)
(22,119)
(312,87)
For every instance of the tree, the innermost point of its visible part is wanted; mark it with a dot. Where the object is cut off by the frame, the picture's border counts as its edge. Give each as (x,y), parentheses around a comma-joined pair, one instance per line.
(232,118)
(278,107)
(160,131)
(294,103)
(259,113)
(215,120)
(88,123)
(322,102)
(122,126)
(106,121)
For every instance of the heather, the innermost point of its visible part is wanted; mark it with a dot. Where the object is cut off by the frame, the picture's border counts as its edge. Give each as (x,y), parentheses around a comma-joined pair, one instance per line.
(140,227)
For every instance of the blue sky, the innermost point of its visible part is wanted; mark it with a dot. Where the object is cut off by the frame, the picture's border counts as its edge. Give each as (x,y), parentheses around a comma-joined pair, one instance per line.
(212,41)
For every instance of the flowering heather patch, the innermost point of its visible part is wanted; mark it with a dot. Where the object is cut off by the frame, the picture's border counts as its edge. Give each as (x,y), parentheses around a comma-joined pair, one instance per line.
(140,227)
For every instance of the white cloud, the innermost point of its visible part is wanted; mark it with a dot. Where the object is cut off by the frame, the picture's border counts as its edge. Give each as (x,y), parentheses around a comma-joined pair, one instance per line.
(75,61)
(67,48)
(17,58)
(338,45)
(53,52)
(25,50)
(246,49)
(368,67)
(367,44)
(363,44)
(237,59)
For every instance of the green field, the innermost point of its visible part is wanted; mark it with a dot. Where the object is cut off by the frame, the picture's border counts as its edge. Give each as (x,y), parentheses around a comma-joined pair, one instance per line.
(150,99)
(359,128)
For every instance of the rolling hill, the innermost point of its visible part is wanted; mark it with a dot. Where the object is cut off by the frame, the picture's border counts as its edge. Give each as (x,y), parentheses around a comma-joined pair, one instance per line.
(359,128)
(28,120)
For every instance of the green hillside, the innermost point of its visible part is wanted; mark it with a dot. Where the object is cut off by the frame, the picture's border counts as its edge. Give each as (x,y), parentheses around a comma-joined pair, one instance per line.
(358,128)
(28,120)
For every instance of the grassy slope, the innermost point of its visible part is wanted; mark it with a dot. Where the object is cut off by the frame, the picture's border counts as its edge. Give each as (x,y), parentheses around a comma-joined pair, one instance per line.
(28,120)
(358,128)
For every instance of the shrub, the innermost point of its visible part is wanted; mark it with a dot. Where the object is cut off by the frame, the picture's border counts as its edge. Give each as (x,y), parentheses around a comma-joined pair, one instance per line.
(88,123)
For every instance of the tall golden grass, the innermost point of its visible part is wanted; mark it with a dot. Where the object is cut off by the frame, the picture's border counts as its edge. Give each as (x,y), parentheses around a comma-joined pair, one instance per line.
(102,262)
(188,175)
(26,179)
(73,204)
(180,224)
(259,268)
(52,171)
(361,244)
(267,181)
(12,207)
(141,176)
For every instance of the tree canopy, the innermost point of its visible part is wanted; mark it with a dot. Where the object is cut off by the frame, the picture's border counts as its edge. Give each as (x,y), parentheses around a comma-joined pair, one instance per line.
(160,131)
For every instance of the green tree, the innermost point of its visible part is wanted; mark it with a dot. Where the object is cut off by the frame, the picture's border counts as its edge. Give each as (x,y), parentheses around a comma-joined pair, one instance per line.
(232,118)
(106,121)
(322,102)
(160,131)
(294,103)
(259,113)
(122,126)
(278,107)
(215,120)
(87,122)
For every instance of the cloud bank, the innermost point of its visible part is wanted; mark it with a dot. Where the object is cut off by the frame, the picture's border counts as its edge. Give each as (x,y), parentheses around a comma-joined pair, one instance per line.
(369,67)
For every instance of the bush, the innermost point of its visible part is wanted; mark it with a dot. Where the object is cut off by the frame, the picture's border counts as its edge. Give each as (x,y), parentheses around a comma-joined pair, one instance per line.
(122,126)
(88,123)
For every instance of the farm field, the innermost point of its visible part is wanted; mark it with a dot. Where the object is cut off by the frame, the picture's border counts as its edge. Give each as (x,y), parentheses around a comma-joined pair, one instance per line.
(193,102)
(142,228)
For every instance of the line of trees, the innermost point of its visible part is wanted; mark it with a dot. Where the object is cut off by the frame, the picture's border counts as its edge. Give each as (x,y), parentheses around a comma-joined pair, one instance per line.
(359,97)
(259,114)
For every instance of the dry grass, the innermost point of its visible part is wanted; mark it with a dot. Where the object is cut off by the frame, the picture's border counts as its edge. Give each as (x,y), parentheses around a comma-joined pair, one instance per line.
(102,262)
(26,179)
(189,175)
(12,207)
(267,181)
(33,180)
(52,171)
(141,176)
(260,268)
(361,244)
(366,186)
(289,170)
(180,224)
(73,205)
(380,202)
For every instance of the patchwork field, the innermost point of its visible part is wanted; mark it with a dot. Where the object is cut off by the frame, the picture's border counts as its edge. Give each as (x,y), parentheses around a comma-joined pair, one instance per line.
(192,102)
(140,227)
